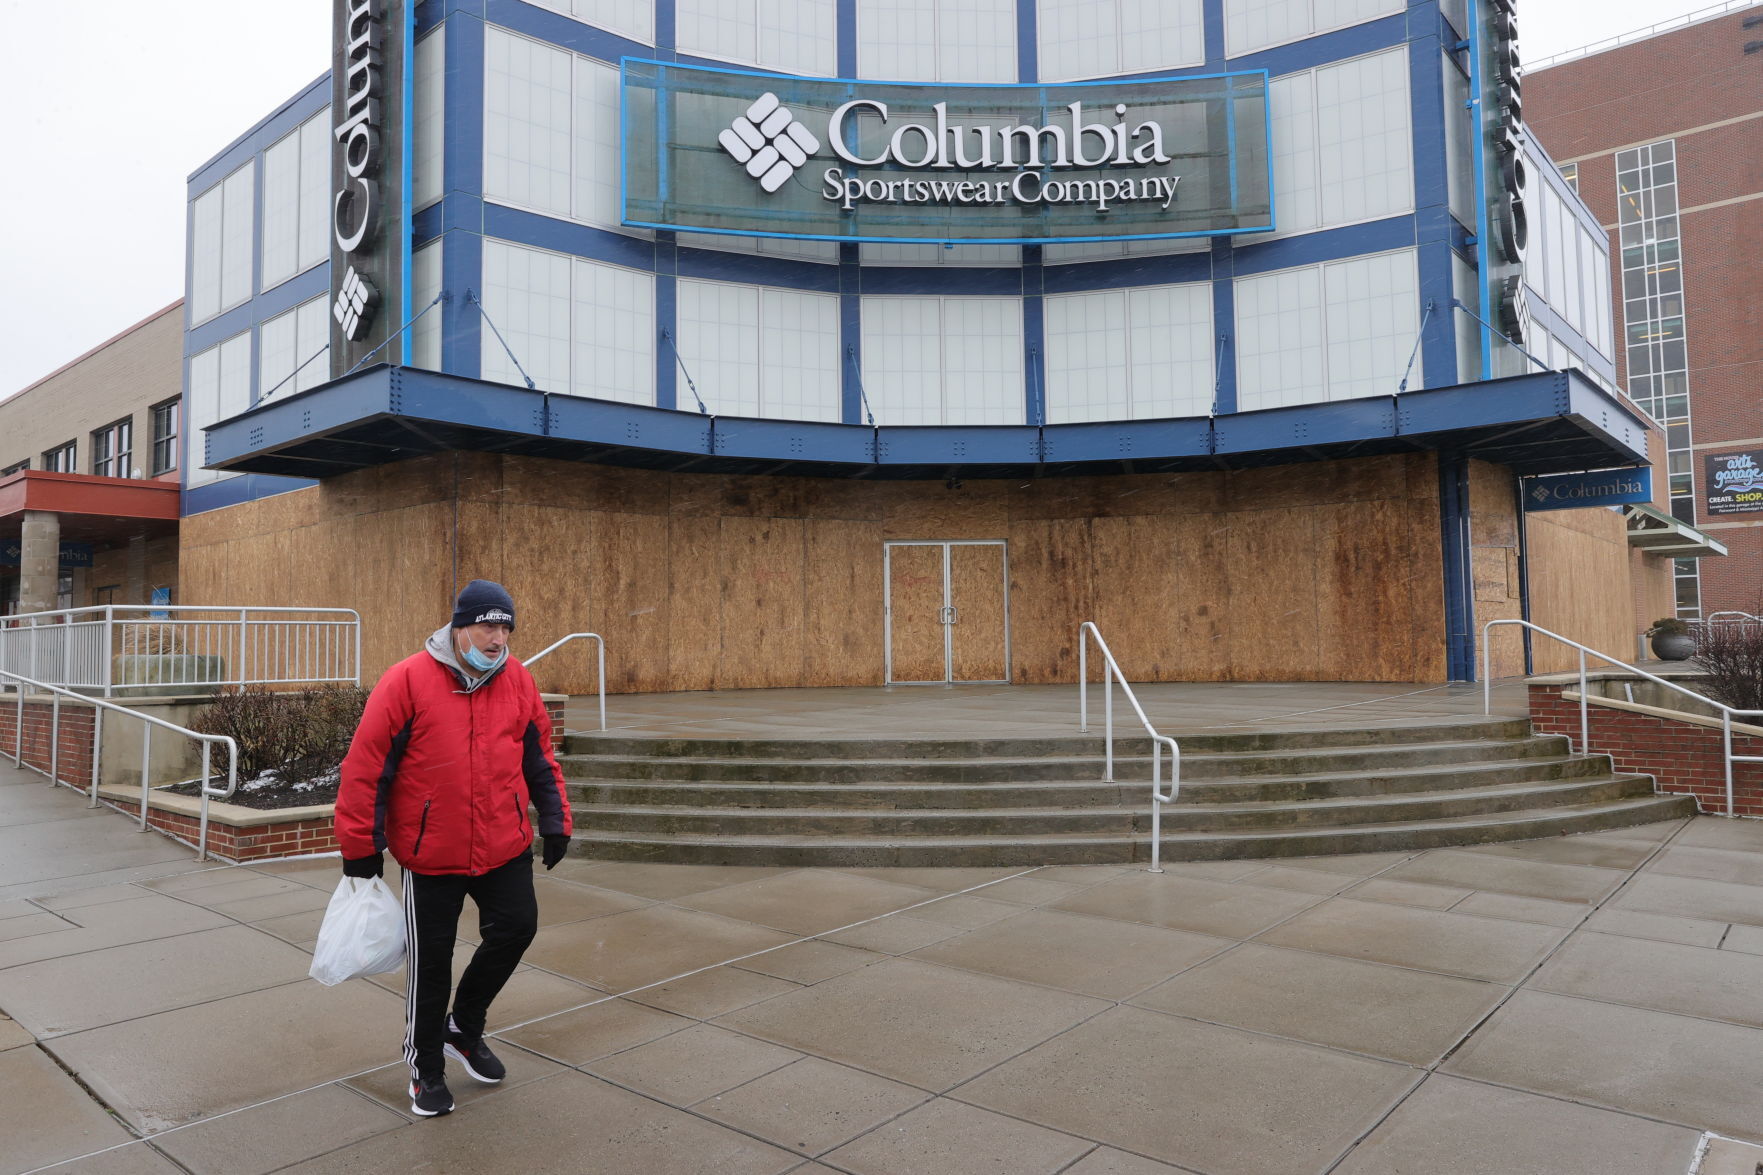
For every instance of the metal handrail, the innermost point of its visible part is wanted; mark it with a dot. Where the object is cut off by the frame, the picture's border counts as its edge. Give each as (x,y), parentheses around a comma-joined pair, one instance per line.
(1585,722)
(577,636)
(19,681)
(1714,616)
(1110,674)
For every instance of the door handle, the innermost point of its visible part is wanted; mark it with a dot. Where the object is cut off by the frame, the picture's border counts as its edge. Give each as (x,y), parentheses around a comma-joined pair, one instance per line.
(954,614)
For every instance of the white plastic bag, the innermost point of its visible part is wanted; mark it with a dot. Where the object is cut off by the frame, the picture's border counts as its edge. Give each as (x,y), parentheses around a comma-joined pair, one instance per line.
(362,932)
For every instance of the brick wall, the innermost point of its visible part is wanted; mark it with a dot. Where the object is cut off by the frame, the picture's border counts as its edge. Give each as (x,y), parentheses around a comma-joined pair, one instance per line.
(251,842)
(1684,757)
(74,760)
(554,710)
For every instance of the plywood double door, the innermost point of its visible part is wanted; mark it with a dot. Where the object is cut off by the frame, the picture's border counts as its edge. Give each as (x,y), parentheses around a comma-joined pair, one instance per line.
(947,612)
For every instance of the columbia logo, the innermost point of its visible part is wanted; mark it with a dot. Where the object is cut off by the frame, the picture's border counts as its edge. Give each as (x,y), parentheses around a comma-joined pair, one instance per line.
(355,303)
(770,141)
(1539,494)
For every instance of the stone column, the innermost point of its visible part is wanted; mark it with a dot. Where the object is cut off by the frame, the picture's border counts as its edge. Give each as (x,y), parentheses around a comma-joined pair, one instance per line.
(134,586)
(39,560)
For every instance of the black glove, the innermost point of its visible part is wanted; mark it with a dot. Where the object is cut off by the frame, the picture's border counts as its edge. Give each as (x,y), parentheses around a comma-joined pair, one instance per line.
(372,866)
(556,848)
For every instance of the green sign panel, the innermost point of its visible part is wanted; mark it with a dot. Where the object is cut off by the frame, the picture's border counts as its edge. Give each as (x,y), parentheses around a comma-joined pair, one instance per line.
(729,151)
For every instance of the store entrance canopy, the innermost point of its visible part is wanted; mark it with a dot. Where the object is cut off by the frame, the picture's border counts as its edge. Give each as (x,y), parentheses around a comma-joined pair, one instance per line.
(1658,533)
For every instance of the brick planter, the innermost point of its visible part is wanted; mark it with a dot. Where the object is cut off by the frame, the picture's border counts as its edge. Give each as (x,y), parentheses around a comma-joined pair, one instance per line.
(73,762)
(1681,751)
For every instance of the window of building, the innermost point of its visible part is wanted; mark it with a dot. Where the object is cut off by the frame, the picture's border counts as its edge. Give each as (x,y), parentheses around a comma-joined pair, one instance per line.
(1086,39)
(794,36)
(955,360)
(1570,173)
(165,436)
(551,130)
(1130,354)
(293,349)
(1256,24)
(760,351)
(220,246)
(579,327)
(113,449)
(427,137)
(1334,331)
(425,286)
(1342,145)
(62,458)
(219,387)
(18,467)
(296,200)
(937,40)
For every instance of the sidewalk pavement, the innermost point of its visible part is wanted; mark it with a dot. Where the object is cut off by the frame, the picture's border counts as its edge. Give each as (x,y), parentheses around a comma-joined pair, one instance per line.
(1580,1005)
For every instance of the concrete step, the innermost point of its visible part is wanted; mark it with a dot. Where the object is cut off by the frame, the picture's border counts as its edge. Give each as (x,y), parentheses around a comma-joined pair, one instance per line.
(1451,730)
(1072,793)
(1010,769)
(1106,848)
(1124,819)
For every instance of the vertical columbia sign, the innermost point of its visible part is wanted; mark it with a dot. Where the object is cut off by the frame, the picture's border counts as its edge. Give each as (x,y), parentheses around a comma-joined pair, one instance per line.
(367,165)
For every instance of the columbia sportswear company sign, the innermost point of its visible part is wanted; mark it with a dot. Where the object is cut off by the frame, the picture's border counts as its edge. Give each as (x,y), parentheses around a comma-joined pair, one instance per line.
(725,151)
(366,203)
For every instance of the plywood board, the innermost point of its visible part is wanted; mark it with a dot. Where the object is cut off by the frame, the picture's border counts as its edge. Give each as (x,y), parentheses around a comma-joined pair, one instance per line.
(1271,630)
(694,601)
(978,632)
(629,597)
(1133,575)
(1365,608)
(1579,587)
(1050,595)
(548,556)
(762,603)
(915,612)
(930,510)
(845,634)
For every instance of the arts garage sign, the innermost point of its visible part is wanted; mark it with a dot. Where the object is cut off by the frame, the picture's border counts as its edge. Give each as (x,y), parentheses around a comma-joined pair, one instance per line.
(727,151)
(1733,483)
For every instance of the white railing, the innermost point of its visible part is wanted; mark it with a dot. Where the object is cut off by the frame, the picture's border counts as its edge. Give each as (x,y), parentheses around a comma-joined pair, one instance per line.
(1738,617)
(581,636)
(19,684)
(1110,675)
(1642,34)
(174,646)
(1585,722)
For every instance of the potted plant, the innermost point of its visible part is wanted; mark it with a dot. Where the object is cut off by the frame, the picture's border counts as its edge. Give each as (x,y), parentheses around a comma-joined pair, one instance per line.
(1672,640)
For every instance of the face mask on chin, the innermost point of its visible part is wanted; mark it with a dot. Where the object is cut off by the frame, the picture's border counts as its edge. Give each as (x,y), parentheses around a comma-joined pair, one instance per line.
(476,658)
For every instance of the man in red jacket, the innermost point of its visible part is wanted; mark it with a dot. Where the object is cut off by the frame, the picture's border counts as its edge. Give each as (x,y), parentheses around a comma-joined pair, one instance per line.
(453,745)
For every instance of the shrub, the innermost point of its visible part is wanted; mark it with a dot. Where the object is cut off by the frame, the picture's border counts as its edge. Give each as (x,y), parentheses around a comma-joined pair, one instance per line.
(1732,655)
(298,734)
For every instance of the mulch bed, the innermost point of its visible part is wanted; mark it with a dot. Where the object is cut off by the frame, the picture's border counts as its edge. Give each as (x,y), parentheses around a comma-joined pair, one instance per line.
(269,791)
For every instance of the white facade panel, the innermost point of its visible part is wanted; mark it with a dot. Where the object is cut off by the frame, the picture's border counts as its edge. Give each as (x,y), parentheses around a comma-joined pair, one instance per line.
(1141,353)
(760,351)
(943,361)
(428,109)
(612,333)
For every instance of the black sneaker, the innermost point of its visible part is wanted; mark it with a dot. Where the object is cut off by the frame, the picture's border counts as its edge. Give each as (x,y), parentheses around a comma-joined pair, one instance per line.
(429,1097)
(475,1055)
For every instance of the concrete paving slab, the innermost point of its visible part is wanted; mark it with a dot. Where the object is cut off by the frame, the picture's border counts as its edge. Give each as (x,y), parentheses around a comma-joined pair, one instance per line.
(808,902)
(1693,932)
(94,896)
(1084,875)
(1672,1068)
(810,962)
(299,929)
(1432,940)
(1744,836)
(1454,1127)
(897,934)
(955,1139)
(949,880)
(178,1066)
(1311,881)
(1573,850)
(1691,981)
(568,901)
(660,882)
(966,911)
(1390,1012)
(812,1105)
(925,1025)
(1748,939)
(599,1030)
(1190,903)
(296,899)
(45,1117)
(1032,890)
(1196,1095)
(70,994)
(389,1086)
(41,922)
(222,883)
(1741,868)
(690,1065)
(1100,957)
(1353,864)
(643,946)
(136,1159)
(287,1130)
(1212,870)
(318,872)
(1690,897)
(13,1034)
(111,924)
(1512,875)
(1505,905)
(95,841)
(570,1124)
(1728,1156)
(1407,893)
(709,994)
(1105,1160)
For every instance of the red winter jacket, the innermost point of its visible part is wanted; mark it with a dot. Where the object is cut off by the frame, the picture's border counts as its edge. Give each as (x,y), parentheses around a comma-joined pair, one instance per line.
(441,777)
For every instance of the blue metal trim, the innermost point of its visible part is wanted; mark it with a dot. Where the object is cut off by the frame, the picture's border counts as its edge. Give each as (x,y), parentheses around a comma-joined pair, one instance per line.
(852,393)
(741,436)
(1332,244)
(666,324)
(750,269)
(953,279)
(463,117)
(428,224)
(1482,229)
(407,179)
(565,32)
(539,231)
(1028,42)
(605,422)
(1008,444)
(462,327)
(1116,273)
(845,55)
(230,491)
(1460,635)
(1224,327)
(720,67)
(730,232)
(1034,336)
(1336,45)
(666,26)
(1107,441)
(1212,29)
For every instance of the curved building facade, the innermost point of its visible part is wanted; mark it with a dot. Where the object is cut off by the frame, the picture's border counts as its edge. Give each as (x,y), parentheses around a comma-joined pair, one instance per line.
(842,342)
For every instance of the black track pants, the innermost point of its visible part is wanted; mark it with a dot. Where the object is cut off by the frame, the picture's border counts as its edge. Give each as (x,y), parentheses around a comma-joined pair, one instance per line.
(507,919)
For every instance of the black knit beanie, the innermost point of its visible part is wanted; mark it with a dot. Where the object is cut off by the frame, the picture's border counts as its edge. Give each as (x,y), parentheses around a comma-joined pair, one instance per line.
(483,602)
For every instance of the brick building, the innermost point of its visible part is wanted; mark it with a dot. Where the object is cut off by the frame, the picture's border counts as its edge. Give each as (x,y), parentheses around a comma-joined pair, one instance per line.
(1663,136)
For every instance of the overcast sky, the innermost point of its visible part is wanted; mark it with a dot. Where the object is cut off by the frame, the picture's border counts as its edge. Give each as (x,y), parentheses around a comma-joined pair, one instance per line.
(110,104)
